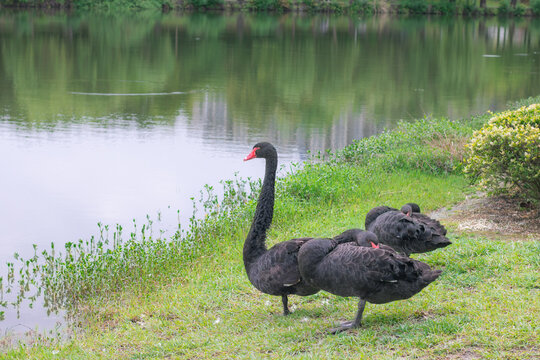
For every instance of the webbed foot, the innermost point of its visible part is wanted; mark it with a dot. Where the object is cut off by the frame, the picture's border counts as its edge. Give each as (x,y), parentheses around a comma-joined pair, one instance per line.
(347,325)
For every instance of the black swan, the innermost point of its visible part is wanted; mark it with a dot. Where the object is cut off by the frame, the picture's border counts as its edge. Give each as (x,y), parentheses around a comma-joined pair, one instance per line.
(360,269)
(378,210)
(359,237)
(406,230)
(273,271)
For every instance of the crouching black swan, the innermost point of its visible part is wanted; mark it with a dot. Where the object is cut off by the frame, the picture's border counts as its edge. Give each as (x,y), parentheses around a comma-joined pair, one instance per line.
(273,271)
(360,269)
(407,231)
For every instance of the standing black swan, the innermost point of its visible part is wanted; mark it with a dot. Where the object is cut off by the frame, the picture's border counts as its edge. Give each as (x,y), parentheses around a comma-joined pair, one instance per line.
(406,230)
(363,270)
(273,271)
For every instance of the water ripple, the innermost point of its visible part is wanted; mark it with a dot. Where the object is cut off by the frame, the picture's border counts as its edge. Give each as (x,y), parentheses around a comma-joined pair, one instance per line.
(131,94)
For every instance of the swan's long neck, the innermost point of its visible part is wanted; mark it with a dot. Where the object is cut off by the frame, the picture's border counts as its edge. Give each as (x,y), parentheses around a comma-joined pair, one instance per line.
(255,241)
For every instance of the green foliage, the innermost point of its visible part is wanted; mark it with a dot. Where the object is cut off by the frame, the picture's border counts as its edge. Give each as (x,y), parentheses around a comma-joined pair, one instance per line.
(470,8)
(118,5)
(321,182)
(519,10)
(333,6)
(412,150)
(266,5)
(311,5)
(102,5)
(504,8)
(444,7)
(535,7)
(110,263)
(505,154)
(416,6)
(362,6)
(205,4)
(413,7)
(426,144)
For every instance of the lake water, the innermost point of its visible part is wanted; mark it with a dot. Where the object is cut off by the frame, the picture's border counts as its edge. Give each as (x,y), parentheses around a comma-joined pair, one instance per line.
(110,118)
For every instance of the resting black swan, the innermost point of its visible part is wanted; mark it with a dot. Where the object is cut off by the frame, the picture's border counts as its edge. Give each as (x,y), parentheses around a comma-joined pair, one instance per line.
(273,271)
(359,237)
(378,210)
(359,269)
(406,230)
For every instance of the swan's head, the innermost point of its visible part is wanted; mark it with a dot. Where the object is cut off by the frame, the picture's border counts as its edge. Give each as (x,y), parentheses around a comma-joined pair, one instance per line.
(367,239)
(407,209)
(414,207)
(261,150)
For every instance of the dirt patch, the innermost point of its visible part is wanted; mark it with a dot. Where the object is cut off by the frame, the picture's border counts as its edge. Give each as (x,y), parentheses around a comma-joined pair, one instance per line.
(465,354)
(496,216)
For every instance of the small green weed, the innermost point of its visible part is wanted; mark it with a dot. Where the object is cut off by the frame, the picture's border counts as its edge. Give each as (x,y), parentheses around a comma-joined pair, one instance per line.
(108,264)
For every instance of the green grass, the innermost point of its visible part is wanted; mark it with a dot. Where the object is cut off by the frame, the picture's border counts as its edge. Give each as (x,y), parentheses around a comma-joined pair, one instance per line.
(485,303)
(144,299)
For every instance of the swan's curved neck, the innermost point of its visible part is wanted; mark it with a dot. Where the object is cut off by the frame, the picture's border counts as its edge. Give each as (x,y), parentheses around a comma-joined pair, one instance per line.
(255,241)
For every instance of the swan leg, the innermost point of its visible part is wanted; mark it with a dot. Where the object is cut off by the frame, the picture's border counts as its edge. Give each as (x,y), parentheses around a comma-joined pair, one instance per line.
(285,301)
(357,322)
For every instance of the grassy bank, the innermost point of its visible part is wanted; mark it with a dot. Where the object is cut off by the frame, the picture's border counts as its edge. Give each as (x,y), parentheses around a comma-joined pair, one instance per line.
(144,297)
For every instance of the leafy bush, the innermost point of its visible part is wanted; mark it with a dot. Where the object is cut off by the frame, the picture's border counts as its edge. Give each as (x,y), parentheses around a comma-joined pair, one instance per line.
(535,7)
(332,6)
(203,4)
(470,8)
(362,6)
(519,10)
(504,8)
(505,154)
(266,5)
(416,6)
(311,5)
(444,7)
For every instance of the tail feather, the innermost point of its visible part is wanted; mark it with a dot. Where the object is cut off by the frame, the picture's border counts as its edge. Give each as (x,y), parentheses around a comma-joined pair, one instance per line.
(430,276)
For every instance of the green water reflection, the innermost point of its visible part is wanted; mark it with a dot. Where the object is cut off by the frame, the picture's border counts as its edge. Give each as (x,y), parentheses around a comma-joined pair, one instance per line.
(268,73)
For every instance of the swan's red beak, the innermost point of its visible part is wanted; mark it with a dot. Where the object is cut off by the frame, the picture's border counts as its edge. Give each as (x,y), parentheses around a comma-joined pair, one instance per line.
(251,154)
(373,245)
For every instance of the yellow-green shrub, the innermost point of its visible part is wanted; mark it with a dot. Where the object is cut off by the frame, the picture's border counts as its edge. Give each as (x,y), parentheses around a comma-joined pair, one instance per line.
(505,154)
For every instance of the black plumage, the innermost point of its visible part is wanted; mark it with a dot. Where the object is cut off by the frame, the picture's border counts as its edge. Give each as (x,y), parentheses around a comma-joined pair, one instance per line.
(358,269)
(273,271)
(407,230)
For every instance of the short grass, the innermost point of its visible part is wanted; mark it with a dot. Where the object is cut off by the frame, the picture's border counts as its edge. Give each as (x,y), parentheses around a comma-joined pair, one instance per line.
(485,305)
